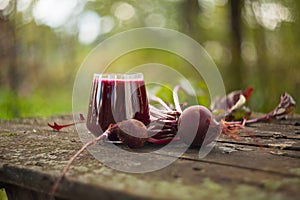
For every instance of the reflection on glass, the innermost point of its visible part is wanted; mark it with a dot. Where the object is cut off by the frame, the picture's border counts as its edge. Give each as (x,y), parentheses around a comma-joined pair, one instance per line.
(116,97)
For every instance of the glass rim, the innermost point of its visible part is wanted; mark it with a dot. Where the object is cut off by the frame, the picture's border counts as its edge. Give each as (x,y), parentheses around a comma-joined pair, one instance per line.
(120,76)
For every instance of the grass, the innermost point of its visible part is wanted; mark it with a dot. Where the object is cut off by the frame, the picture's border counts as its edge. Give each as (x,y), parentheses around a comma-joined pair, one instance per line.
(40,103)
(55,100)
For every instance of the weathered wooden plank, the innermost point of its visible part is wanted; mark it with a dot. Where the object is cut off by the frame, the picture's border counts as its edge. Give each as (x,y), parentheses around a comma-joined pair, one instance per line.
(32,155)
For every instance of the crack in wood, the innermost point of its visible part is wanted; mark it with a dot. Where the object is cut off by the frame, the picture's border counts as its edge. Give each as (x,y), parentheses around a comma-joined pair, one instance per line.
(284,174)
(294,148)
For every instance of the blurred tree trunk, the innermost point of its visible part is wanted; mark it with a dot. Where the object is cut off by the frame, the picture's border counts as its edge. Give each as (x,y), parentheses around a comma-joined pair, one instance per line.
(296,30)
(189,12)
(9,76)
(8,55)
(237,69)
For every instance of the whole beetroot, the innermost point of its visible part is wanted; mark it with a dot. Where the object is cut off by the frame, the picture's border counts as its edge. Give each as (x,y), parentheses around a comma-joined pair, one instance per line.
(131,132)
(196,127)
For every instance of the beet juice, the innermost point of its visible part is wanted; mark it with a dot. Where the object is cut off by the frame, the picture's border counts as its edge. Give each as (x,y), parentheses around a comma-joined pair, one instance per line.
(114,98)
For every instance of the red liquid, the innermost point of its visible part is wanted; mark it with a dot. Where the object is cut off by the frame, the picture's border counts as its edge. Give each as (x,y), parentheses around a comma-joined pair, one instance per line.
(113,101)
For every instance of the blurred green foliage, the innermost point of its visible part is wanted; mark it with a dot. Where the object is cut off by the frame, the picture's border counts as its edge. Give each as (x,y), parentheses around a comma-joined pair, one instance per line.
(43,43)
(42,103)
(3,195)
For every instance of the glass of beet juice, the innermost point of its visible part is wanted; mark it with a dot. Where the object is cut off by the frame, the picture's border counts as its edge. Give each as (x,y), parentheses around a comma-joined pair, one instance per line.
(114,98)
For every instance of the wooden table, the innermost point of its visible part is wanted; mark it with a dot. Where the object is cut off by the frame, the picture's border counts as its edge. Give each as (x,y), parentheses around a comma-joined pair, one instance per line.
(264,164)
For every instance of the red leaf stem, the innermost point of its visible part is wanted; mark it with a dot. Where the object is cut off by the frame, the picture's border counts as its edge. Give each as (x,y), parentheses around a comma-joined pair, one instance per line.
(67,167)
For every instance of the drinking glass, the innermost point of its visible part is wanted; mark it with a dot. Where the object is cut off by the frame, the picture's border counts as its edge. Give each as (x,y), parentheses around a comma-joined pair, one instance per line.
(114,98)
